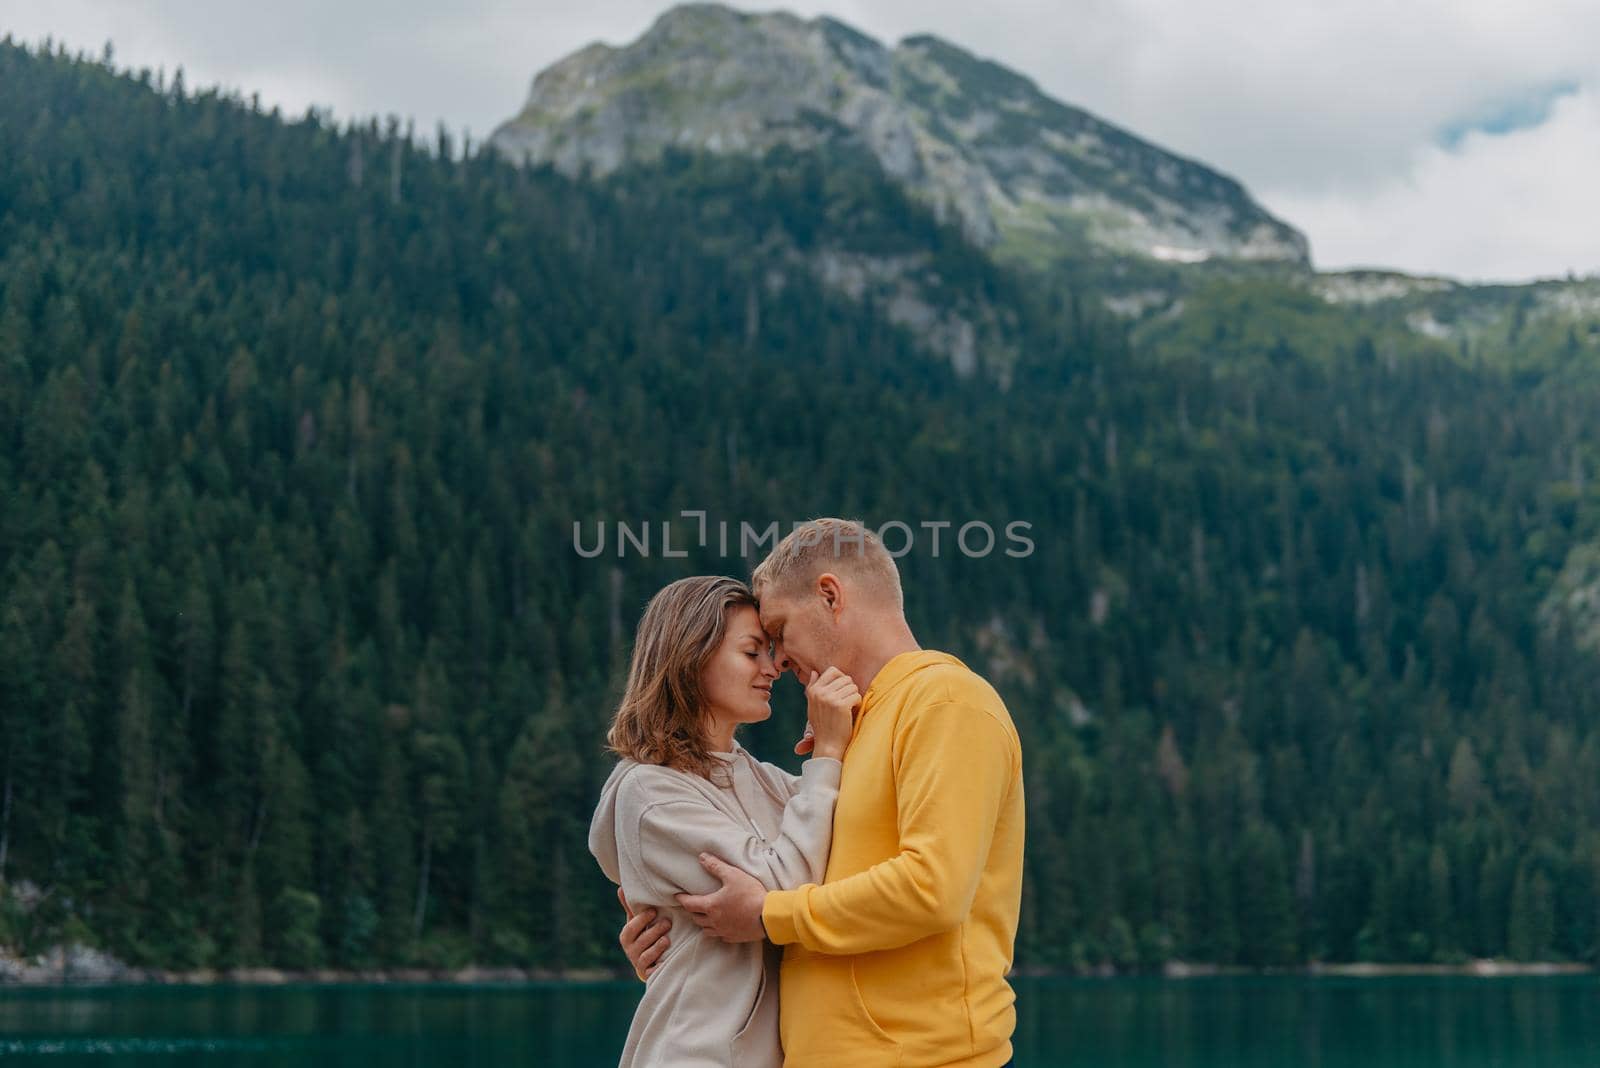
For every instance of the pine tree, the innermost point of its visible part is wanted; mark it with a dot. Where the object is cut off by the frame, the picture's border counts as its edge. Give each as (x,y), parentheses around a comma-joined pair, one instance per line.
(1531,928)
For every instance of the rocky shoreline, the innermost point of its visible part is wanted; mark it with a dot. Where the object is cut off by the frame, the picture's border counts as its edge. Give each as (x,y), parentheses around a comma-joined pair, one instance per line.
(80,965)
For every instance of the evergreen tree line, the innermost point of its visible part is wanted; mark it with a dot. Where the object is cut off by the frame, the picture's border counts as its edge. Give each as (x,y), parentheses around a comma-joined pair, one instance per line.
(299,664)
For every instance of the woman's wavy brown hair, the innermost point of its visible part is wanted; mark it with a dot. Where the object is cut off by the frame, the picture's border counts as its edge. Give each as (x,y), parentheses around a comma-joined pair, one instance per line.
(661,718)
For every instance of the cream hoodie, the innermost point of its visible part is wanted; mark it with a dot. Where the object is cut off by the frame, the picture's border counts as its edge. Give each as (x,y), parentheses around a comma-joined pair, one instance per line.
(709,1004)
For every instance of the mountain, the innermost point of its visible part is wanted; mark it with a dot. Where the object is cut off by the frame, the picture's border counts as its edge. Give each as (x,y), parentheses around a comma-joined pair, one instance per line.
(1034,183)
(300,664)
(1024,175)
(1550,315)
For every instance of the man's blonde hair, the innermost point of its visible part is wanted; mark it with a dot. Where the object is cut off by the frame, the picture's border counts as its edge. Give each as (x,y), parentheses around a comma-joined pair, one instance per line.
(845,547)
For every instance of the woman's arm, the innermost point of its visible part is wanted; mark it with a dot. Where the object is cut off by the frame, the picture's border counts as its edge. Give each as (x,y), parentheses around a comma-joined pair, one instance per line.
(673,833)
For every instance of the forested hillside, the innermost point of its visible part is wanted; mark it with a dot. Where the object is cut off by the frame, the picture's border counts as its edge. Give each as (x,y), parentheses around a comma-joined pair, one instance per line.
(299,664)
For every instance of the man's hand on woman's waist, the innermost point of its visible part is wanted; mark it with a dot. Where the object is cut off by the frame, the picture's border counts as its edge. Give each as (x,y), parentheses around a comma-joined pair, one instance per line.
(733,913)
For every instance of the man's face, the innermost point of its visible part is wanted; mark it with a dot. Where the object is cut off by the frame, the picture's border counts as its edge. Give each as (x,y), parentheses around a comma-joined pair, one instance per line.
(802,632)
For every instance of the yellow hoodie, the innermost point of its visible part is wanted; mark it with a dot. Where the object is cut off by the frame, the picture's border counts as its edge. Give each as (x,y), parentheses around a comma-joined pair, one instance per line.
(899,958)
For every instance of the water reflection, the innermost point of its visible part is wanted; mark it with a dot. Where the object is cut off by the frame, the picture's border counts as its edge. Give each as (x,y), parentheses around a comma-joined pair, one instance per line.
(1269,1022)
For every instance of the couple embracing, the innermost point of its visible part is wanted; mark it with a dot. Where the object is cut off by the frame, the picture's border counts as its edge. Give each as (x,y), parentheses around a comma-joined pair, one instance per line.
(887,875)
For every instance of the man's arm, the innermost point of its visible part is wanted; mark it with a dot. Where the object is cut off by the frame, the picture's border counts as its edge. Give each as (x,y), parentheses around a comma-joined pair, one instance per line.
(955,763)
(643,938)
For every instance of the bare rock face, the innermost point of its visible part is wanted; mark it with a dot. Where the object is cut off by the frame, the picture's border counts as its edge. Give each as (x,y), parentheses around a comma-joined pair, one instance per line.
(1024,175)
(1572,603)
(75,963)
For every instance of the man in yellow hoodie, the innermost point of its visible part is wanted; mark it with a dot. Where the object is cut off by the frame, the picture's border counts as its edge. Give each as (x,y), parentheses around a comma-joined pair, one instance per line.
(899,957)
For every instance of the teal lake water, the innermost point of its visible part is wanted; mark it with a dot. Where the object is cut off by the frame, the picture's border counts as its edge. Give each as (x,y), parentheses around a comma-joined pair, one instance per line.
(1210,1023)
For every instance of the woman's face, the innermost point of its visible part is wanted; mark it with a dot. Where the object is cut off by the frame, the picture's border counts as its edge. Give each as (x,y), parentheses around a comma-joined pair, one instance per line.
(737,680)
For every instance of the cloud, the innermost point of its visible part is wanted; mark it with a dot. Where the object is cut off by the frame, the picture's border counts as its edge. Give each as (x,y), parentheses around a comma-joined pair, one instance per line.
(1493,205)
(1310,93)
(1326,109)
(467,64)
(1522,110)
(1445,136)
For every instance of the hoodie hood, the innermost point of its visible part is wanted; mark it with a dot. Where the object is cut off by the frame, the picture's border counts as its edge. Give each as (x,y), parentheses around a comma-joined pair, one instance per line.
(901,667)
(603,827)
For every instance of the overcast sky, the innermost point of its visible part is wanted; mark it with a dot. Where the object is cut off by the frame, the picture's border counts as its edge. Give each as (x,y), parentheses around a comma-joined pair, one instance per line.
(1457,137)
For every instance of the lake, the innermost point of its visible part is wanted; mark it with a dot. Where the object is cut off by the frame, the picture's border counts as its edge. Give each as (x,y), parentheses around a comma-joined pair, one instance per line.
(1196,1023)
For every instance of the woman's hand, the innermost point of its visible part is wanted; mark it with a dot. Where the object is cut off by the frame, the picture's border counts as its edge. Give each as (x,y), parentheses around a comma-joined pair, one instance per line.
(831,701)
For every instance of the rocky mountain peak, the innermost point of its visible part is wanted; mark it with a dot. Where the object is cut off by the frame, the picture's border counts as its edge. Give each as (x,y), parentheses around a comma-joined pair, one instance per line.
(1023,174)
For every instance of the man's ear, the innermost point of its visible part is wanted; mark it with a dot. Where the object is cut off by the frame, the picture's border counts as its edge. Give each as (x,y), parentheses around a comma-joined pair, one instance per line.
(831,590)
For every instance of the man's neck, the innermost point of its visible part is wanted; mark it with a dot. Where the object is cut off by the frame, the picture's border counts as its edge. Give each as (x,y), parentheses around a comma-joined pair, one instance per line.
(897,640)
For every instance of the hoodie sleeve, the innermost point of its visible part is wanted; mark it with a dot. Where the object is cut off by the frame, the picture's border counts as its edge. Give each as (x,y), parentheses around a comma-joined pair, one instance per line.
(955,765)
(673,834)
(786,781)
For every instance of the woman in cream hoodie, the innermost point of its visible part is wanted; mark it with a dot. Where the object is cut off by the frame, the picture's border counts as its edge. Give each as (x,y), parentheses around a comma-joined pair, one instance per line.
(701,666)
